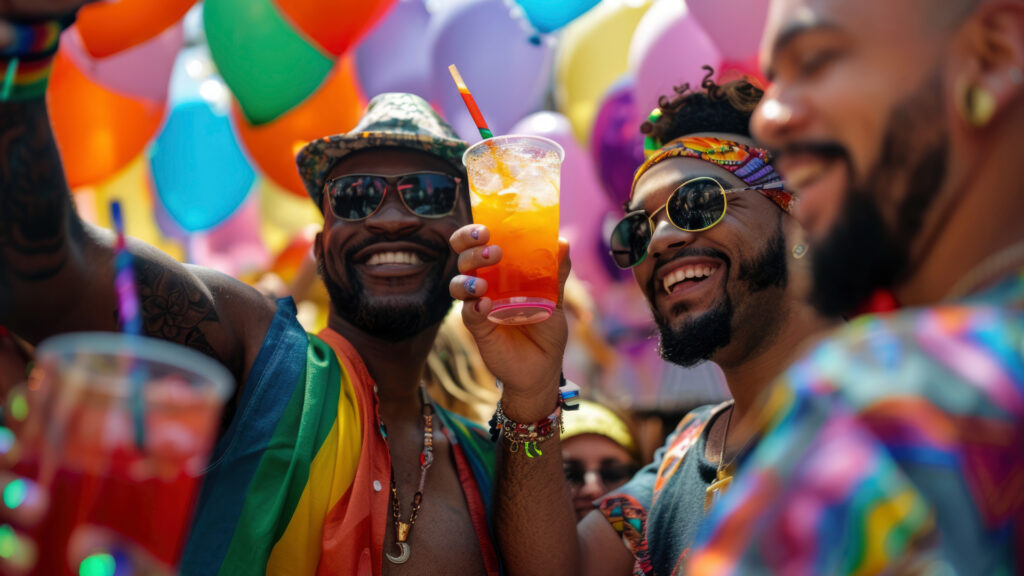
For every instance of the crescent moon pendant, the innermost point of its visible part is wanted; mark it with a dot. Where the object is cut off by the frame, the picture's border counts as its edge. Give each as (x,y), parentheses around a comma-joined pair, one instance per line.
(403,555)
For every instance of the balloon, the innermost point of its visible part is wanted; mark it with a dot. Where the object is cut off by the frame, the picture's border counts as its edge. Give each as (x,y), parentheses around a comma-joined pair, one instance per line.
(507,74)
(735,26)
(201,174)
(335,25)
(668,49)
(592,57)
(98,131)
(582,203)
(395,55)
(547,16)
(289,260)
(334,108)
(143,71)
(268,66)
(110,27)
(131,187)
(233,247)
(616,144)
(284,214)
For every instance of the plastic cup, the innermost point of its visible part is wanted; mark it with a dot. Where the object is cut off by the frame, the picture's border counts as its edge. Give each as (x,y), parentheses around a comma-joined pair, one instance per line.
(87,397)
(513,187)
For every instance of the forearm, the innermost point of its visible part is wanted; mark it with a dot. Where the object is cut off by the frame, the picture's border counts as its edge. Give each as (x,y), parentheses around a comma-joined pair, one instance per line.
(536,522)
(38,225)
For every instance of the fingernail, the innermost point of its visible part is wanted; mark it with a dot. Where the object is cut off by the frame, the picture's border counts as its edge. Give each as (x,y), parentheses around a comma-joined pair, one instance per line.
(486,252)
(475,233)
(471,285)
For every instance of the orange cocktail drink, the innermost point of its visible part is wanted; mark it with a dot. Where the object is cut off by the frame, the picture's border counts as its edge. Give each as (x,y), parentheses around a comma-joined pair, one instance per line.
(513,184)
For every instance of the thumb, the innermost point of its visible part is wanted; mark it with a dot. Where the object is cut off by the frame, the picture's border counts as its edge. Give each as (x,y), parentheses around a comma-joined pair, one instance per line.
(564,267)
(474,316)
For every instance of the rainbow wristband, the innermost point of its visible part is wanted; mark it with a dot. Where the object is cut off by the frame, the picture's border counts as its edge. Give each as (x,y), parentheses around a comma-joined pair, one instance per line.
(25,65)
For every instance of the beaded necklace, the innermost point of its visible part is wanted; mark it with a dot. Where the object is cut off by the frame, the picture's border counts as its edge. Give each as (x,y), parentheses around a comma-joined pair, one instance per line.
(403,529)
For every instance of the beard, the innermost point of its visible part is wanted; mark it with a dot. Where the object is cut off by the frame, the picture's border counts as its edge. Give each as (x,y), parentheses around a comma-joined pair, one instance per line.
(862,252)
(394,318)
(697,339)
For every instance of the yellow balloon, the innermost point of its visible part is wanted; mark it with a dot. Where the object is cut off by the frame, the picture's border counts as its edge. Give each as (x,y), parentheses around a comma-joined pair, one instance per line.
(131,187)
(592,55)
(284,215)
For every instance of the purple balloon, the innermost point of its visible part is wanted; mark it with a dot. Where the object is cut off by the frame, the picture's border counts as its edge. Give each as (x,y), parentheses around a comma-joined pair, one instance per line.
(506,72)
(616,142)
(395,55)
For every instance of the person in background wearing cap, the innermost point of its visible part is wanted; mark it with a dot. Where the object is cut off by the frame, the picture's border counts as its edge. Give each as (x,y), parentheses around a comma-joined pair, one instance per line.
(332,458)
(599,454)
(711,244)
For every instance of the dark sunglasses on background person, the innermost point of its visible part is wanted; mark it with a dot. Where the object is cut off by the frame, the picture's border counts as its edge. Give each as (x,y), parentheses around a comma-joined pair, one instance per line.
(610,473)
(696,205)
(356,197)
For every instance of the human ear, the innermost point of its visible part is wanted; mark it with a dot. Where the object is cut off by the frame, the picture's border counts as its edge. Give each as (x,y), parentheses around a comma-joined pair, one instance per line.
(993,74)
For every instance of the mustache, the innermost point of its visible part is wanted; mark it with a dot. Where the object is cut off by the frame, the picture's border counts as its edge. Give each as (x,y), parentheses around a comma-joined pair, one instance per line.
(825,149)
(439,248)
(685,252)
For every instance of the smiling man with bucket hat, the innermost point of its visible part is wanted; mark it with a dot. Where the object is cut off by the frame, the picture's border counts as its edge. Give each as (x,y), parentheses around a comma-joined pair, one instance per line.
(332,457)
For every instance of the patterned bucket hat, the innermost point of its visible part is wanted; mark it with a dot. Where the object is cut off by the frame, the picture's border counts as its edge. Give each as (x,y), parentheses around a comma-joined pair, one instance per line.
(392,120)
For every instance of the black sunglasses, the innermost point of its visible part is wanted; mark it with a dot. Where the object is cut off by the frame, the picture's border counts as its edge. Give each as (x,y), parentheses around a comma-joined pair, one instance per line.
(358,196)
(609,472)
(696,205)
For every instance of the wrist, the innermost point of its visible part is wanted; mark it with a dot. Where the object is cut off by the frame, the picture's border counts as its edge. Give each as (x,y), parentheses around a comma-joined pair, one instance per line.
(25,64)
(532,404)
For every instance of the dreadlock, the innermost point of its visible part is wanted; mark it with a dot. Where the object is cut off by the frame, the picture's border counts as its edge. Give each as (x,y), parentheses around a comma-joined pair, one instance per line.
(714,108)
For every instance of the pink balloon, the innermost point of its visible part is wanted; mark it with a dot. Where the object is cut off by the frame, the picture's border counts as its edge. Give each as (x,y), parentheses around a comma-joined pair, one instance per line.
(143,71)
(582,202)
(235,246)
(669,48)
(735,26)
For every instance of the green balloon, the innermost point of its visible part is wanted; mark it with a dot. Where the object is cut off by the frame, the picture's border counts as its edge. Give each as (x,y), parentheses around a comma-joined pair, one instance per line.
(268,66)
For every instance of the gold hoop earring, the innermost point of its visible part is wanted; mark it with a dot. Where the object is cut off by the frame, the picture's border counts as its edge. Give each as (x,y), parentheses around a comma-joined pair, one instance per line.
(799,251)
(977,105)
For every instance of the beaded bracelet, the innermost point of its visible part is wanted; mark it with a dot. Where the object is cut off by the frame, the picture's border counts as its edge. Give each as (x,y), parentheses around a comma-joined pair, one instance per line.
(530,434)
(25,65)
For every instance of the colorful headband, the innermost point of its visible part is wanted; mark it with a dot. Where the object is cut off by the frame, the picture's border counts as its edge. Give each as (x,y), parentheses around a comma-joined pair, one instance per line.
(750,164)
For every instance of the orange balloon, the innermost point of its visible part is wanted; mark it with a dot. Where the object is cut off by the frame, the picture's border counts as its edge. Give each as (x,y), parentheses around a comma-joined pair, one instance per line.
(335,25)
(98,131)
(110,27)
(334,108)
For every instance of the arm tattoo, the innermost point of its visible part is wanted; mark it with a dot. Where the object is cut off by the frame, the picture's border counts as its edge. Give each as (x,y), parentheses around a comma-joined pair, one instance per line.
(34,199)
(175,307)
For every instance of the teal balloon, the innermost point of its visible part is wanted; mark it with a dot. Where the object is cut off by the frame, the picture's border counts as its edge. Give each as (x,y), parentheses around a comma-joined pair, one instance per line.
(547,16)
(267,65)
(199,171)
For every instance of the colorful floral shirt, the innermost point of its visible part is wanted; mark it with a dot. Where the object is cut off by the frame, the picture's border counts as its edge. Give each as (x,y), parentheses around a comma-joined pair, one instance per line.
(897,446)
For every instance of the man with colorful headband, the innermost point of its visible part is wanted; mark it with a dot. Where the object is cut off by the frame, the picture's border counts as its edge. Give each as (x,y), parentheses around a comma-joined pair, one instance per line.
(897,445)
(712,246)
(306,478)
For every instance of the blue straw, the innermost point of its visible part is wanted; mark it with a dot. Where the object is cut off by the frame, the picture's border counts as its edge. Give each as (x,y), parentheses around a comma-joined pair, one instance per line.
(130,318)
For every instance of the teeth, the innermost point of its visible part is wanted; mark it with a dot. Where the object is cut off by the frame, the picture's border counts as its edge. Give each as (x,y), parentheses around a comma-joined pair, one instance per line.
(381,258)
(687,273)
(804,174)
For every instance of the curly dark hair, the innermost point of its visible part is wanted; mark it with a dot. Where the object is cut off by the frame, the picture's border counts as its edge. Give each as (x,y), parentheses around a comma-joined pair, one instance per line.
(714,108)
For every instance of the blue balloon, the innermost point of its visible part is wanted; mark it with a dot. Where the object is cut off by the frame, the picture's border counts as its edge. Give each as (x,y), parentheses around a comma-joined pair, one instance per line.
(547,16)
(199,171)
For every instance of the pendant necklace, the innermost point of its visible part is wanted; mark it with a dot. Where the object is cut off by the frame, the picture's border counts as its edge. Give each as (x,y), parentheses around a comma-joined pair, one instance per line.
(403,529)
(723,477)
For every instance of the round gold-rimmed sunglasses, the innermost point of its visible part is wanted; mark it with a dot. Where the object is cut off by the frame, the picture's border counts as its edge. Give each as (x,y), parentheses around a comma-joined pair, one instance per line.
(696,205)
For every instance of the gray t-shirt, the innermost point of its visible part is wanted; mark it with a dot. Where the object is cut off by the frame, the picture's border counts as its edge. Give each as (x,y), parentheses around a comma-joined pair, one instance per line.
(658,512)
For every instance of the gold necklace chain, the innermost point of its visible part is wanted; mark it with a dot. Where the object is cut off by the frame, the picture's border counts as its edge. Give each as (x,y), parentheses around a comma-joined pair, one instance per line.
(403,529)
(989,269)
(722,480)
